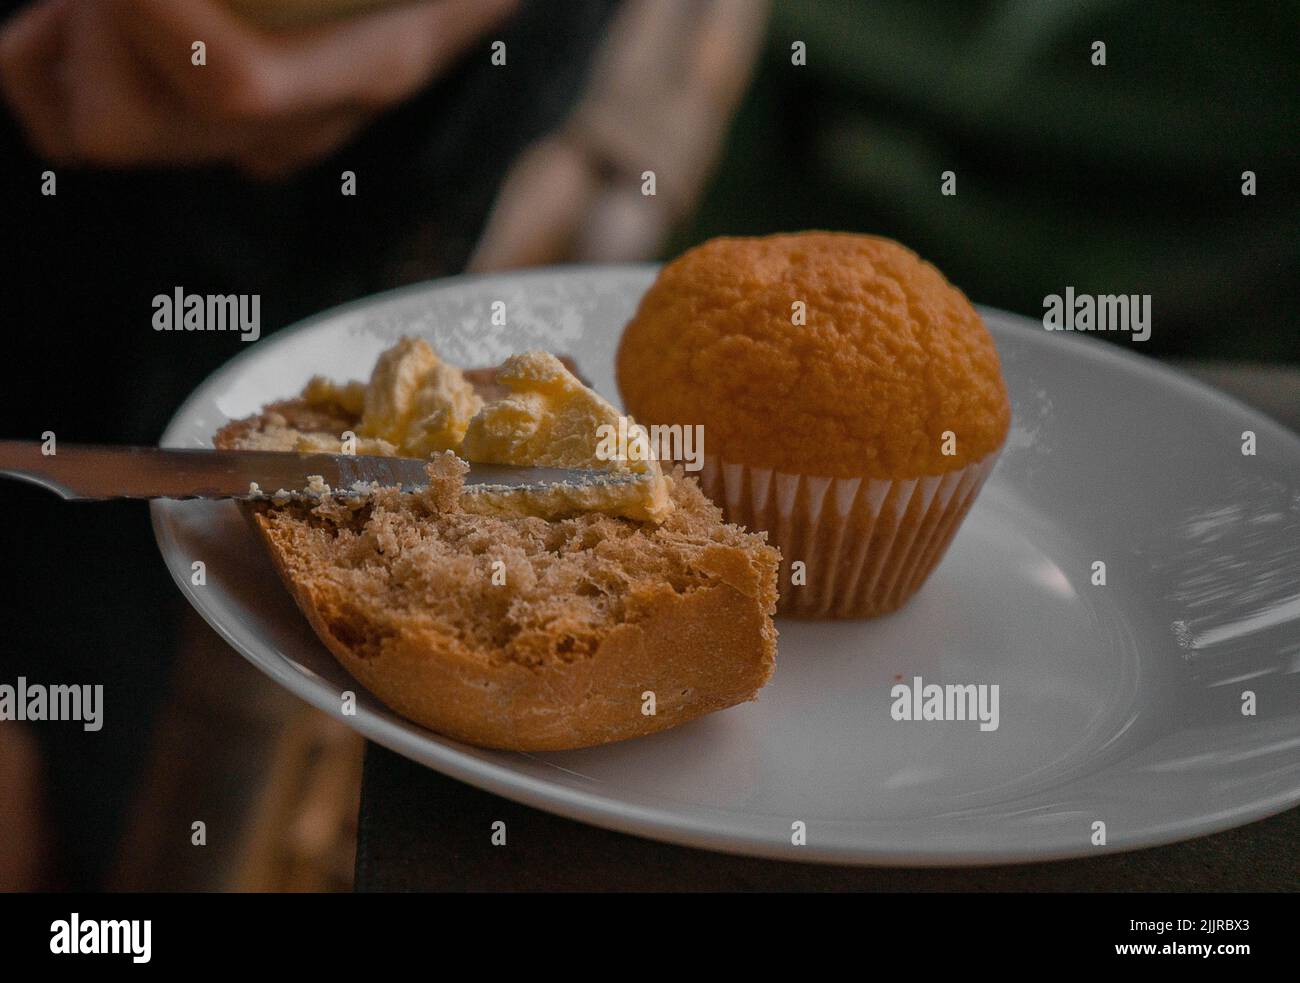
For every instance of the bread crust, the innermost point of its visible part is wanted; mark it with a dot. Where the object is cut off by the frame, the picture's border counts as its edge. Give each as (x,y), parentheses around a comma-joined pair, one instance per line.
(698,652)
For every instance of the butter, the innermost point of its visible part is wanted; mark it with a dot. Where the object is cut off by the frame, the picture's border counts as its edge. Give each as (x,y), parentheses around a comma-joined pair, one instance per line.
(416,401)
(550,419)
(416,405)
(350,396)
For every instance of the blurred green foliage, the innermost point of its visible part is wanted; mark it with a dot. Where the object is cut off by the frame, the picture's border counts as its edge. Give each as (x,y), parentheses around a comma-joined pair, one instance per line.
(1118,178)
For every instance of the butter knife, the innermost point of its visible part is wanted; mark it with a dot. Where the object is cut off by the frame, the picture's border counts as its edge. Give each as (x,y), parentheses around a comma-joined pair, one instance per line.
(89,472)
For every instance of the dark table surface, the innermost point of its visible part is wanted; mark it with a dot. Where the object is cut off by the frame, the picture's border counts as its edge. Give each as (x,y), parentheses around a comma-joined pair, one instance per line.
(422,831)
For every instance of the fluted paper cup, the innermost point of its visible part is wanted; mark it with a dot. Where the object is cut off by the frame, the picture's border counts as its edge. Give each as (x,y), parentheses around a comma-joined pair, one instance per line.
(867,544)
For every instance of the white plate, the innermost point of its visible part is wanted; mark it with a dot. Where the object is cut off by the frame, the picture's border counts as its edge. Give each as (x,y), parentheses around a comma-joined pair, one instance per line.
(1119,704)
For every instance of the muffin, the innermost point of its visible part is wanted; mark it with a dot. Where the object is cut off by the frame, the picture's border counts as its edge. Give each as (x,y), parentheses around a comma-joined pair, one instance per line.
(851,399)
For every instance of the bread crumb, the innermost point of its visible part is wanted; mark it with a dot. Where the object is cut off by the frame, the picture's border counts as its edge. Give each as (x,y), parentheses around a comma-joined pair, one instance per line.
(408,561)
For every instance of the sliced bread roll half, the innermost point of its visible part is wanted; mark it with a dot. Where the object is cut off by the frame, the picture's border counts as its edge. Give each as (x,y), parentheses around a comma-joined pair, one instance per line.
(518,632)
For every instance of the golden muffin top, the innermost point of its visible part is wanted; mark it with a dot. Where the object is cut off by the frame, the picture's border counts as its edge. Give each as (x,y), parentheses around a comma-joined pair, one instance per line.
(816,353)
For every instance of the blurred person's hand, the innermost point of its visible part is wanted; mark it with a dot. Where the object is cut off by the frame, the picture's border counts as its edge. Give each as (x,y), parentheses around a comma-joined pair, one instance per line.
(111,82)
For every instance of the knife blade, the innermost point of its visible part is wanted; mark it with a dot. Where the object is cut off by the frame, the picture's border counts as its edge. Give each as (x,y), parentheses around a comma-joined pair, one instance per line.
(89,472)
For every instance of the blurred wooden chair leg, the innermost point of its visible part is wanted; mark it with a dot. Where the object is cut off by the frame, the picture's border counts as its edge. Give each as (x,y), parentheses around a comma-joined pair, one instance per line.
(661,94)
(213,754)
(23,843)
(302,831)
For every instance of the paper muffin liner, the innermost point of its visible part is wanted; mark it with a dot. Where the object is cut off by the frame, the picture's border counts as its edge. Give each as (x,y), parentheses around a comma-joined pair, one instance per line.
(867,544)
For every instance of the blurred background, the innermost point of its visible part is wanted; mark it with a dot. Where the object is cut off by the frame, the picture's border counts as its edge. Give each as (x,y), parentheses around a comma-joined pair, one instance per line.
(491,134)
